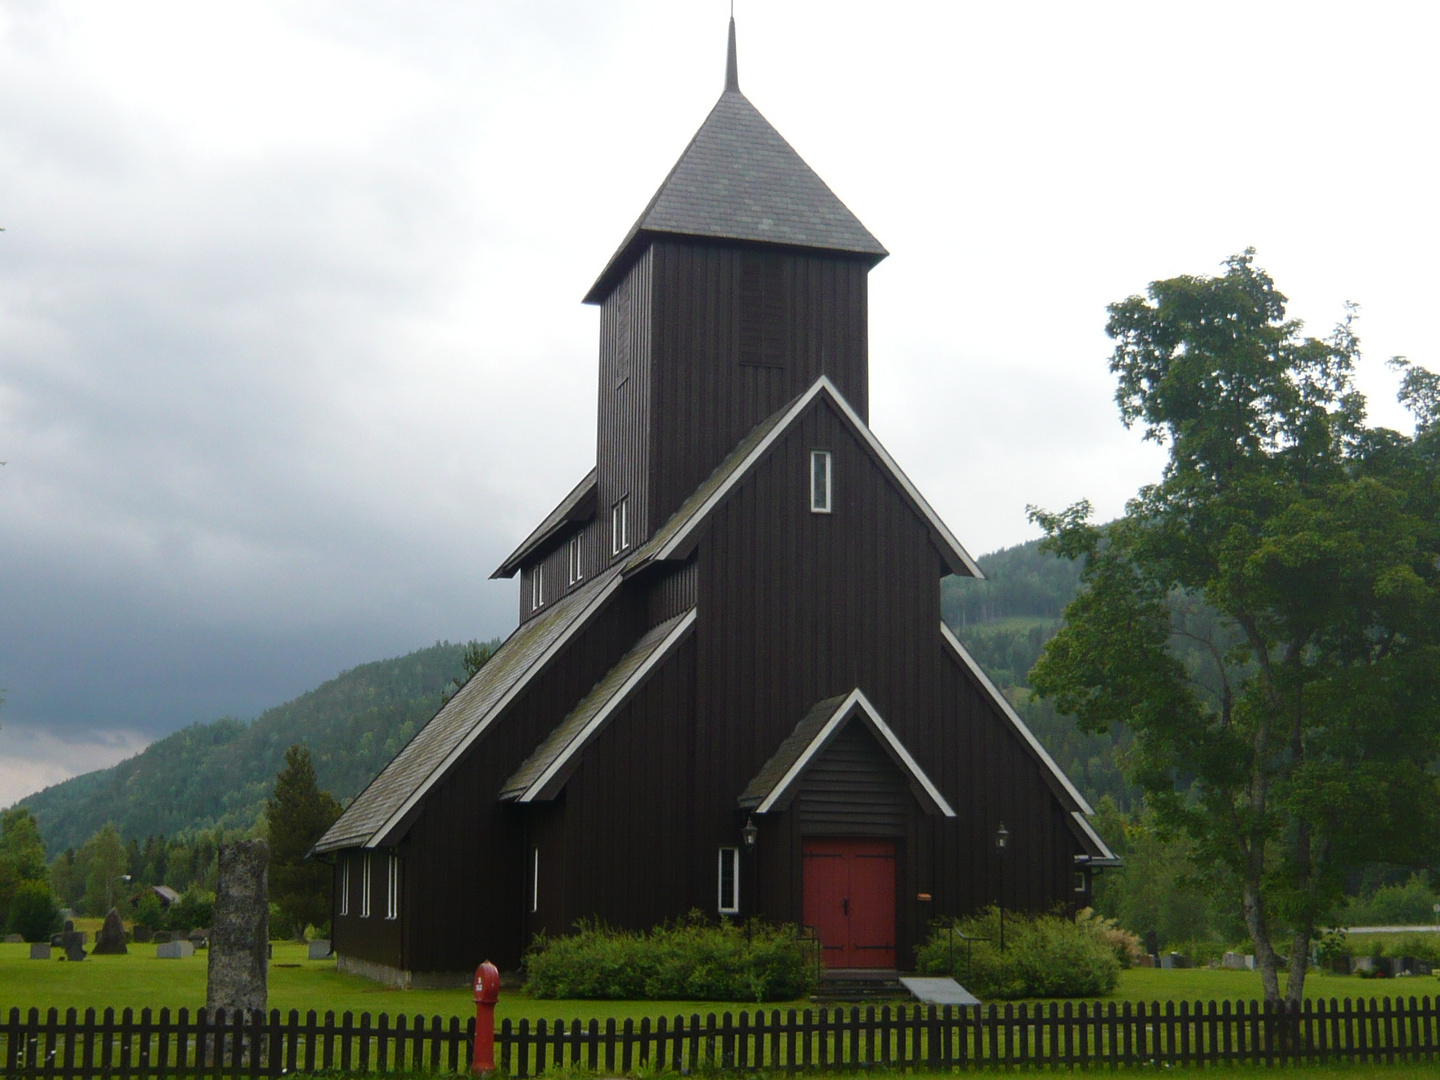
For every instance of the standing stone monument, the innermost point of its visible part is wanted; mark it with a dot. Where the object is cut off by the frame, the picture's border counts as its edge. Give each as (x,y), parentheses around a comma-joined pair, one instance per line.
(72,941)
(110,941)
(237,968)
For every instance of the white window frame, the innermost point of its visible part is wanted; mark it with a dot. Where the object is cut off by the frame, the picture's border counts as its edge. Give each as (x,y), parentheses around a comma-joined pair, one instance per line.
(345,885)
(392,887)
(534,880)
(365,887)
(732,856)
(537,587)
(620,525)
(576,574)
(816,458)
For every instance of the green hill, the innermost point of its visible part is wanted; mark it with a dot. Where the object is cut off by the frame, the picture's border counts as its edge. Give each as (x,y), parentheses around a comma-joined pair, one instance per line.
(220,773)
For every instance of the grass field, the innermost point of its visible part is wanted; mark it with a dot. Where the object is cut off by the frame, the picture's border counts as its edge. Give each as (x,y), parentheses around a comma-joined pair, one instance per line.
(140,979)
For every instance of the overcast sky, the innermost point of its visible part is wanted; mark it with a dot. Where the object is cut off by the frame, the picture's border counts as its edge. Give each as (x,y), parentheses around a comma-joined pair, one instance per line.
(282,286)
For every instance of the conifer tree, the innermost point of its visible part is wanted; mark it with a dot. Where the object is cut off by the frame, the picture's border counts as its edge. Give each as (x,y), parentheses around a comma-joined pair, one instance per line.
(299,813)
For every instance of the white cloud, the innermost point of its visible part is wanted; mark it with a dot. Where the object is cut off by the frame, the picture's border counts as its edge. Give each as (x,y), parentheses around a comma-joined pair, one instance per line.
(32,759)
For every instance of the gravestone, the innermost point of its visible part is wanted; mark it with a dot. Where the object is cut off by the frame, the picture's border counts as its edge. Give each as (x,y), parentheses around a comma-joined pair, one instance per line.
(320,949)
(199,937)
(72,941)
(14,939)
(160,937)
(110,941)
(1238,961)
(143,935)
(40,951)
(1174,961)
(174,950)
(1152,944)
(240,934)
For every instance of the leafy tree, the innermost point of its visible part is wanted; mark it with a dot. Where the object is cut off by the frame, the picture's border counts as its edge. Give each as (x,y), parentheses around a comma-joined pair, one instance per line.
(1298,547)
(33,914)
(299,813)
(477,654)
(104,863)
(22,854)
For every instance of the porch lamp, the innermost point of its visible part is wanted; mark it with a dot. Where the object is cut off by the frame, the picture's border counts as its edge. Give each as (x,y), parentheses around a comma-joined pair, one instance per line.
(1002,842)
(749,833)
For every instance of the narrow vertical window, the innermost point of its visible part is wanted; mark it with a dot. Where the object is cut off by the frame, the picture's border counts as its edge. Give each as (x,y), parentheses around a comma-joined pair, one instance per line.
(365,887)
(820,481)
(575,572)
(620,526)
(534,880)
(729,881)
(392,887)
(537,587)
(345,885)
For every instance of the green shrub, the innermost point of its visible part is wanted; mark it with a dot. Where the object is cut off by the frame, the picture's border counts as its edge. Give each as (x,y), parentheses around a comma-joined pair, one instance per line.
(34,914)
(192,911)
(1411,904)
(148,912)
(1044,956)
(691,960)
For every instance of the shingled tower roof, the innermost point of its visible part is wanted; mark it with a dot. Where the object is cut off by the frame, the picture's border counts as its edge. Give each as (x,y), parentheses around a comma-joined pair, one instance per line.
(740,180)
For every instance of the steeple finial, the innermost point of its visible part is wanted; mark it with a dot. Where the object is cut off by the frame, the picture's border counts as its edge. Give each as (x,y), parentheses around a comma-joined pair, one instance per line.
(732,72)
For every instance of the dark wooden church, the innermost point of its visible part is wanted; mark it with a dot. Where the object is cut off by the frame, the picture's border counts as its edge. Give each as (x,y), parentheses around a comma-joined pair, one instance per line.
(730,688)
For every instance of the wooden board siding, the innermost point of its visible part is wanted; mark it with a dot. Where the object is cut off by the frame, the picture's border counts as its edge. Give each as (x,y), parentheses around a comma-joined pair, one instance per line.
(704,398)
(853,789)
(623,431)
(373,937)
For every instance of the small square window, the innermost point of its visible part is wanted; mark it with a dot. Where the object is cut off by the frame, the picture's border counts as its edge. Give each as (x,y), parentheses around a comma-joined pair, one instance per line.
(620,526)
(820,481)
(575,572)
(729,881)
(537,587)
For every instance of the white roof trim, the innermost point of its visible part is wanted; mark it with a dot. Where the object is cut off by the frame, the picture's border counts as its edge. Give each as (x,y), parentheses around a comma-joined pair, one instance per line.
(537,665)
(841,714)
(1105,852)
(1014,717)
(616,700)
(822,384)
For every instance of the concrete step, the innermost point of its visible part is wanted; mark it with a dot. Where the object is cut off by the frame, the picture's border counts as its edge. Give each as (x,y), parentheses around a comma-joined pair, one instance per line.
(841,985)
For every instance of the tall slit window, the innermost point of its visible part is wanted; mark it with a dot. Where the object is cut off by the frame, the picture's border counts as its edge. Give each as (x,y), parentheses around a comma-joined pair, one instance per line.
(729,881)
(575,572)
(537,587)
(620,526)
(345,885)
(392,887)
(820,481)
(365,887)
(534,880)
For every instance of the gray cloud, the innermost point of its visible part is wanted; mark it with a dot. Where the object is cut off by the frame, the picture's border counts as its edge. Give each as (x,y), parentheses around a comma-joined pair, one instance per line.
(291,351)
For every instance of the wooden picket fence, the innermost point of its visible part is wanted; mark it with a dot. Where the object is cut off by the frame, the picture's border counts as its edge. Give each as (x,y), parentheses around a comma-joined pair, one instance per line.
(922,1038)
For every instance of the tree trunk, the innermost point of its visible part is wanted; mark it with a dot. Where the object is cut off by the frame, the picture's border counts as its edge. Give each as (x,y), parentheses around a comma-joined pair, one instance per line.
(1299,960)
(1256,923)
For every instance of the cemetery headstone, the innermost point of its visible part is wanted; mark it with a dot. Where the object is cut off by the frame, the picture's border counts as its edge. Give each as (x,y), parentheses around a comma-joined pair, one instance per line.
(110,941)
(143,935)
(1174,961)
(72,941)
(163,936)
(174,950)
(14,939)
(199,937)
(40,951)
(239,938)
(320,949)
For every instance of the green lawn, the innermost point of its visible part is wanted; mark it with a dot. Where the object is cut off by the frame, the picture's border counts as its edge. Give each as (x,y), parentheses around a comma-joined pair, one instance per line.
(140,979)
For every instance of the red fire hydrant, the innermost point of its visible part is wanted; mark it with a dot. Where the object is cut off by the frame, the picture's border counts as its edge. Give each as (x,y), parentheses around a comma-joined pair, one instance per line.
(487,993)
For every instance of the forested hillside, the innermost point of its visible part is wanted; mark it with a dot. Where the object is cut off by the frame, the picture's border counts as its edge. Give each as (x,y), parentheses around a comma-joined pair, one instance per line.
(1005,621)
(220,773)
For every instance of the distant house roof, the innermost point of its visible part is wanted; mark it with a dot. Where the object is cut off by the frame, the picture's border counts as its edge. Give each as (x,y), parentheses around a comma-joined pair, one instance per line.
(740,180)
(774,783)
(672,539)
(381,812)
(165,894)
(578,506)
(545,772)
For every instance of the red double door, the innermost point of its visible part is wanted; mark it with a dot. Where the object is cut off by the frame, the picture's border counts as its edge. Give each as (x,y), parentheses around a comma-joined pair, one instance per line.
(850,900)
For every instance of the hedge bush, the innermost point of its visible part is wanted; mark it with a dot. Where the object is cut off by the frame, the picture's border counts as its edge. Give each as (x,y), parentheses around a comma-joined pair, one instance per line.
(692,960)
(34,914)
(1045,956)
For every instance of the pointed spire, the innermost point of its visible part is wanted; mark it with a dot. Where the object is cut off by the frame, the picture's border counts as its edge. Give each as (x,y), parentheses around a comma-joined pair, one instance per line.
(732,72)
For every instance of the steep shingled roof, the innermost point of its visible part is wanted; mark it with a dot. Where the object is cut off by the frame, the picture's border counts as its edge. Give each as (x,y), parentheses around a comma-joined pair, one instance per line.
(578,506)
(740,180)
(381,809)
